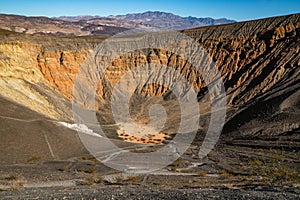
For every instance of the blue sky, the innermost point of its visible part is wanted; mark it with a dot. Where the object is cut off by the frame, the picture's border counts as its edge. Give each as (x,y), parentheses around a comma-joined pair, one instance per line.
(233,9)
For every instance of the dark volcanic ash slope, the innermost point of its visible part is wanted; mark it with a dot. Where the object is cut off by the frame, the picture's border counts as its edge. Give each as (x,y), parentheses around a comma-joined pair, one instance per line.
(29,136)
(259,62)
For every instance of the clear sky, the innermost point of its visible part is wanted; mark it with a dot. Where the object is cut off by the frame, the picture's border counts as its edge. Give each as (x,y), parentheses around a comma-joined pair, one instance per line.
(233,9)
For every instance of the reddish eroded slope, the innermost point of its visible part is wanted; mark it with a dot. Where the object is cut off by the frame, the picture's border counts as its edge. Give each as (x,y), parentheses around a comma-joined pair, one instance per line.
(251,56)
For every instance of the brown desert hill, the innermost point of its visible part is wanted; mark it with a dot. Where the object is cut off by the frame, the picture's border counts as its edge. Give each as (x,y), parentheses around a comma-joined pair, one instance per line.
(258,60)
(49,26)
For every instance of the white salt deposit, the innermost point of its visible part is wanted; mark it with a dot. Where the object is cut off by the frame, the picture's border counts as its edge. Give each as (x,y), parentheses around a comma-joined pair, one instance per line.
(80,127)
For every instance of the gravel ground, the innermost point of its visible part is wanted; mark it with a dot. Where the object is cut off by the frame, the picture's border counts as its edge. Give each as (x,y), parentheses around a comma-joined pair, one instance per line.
(85,192)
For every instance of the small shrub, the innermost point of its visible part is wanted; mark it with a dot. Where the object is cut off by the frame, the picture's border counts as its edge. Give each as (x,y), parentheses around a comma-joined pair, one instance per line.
(90,158)
(33,159)
(179,162)
(98,179)
(173,168)
(11,177)
(119,178)
(63,168)
(134,178)
(202,173)
(18,184)
(225,173)
(91,180)
(90,170)
(88,181)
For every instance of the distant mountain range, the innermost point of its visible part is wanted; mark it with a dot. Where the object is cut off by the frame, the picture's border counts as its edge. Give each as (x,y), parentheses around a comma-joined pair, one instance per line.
(156,19)
(96,25)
